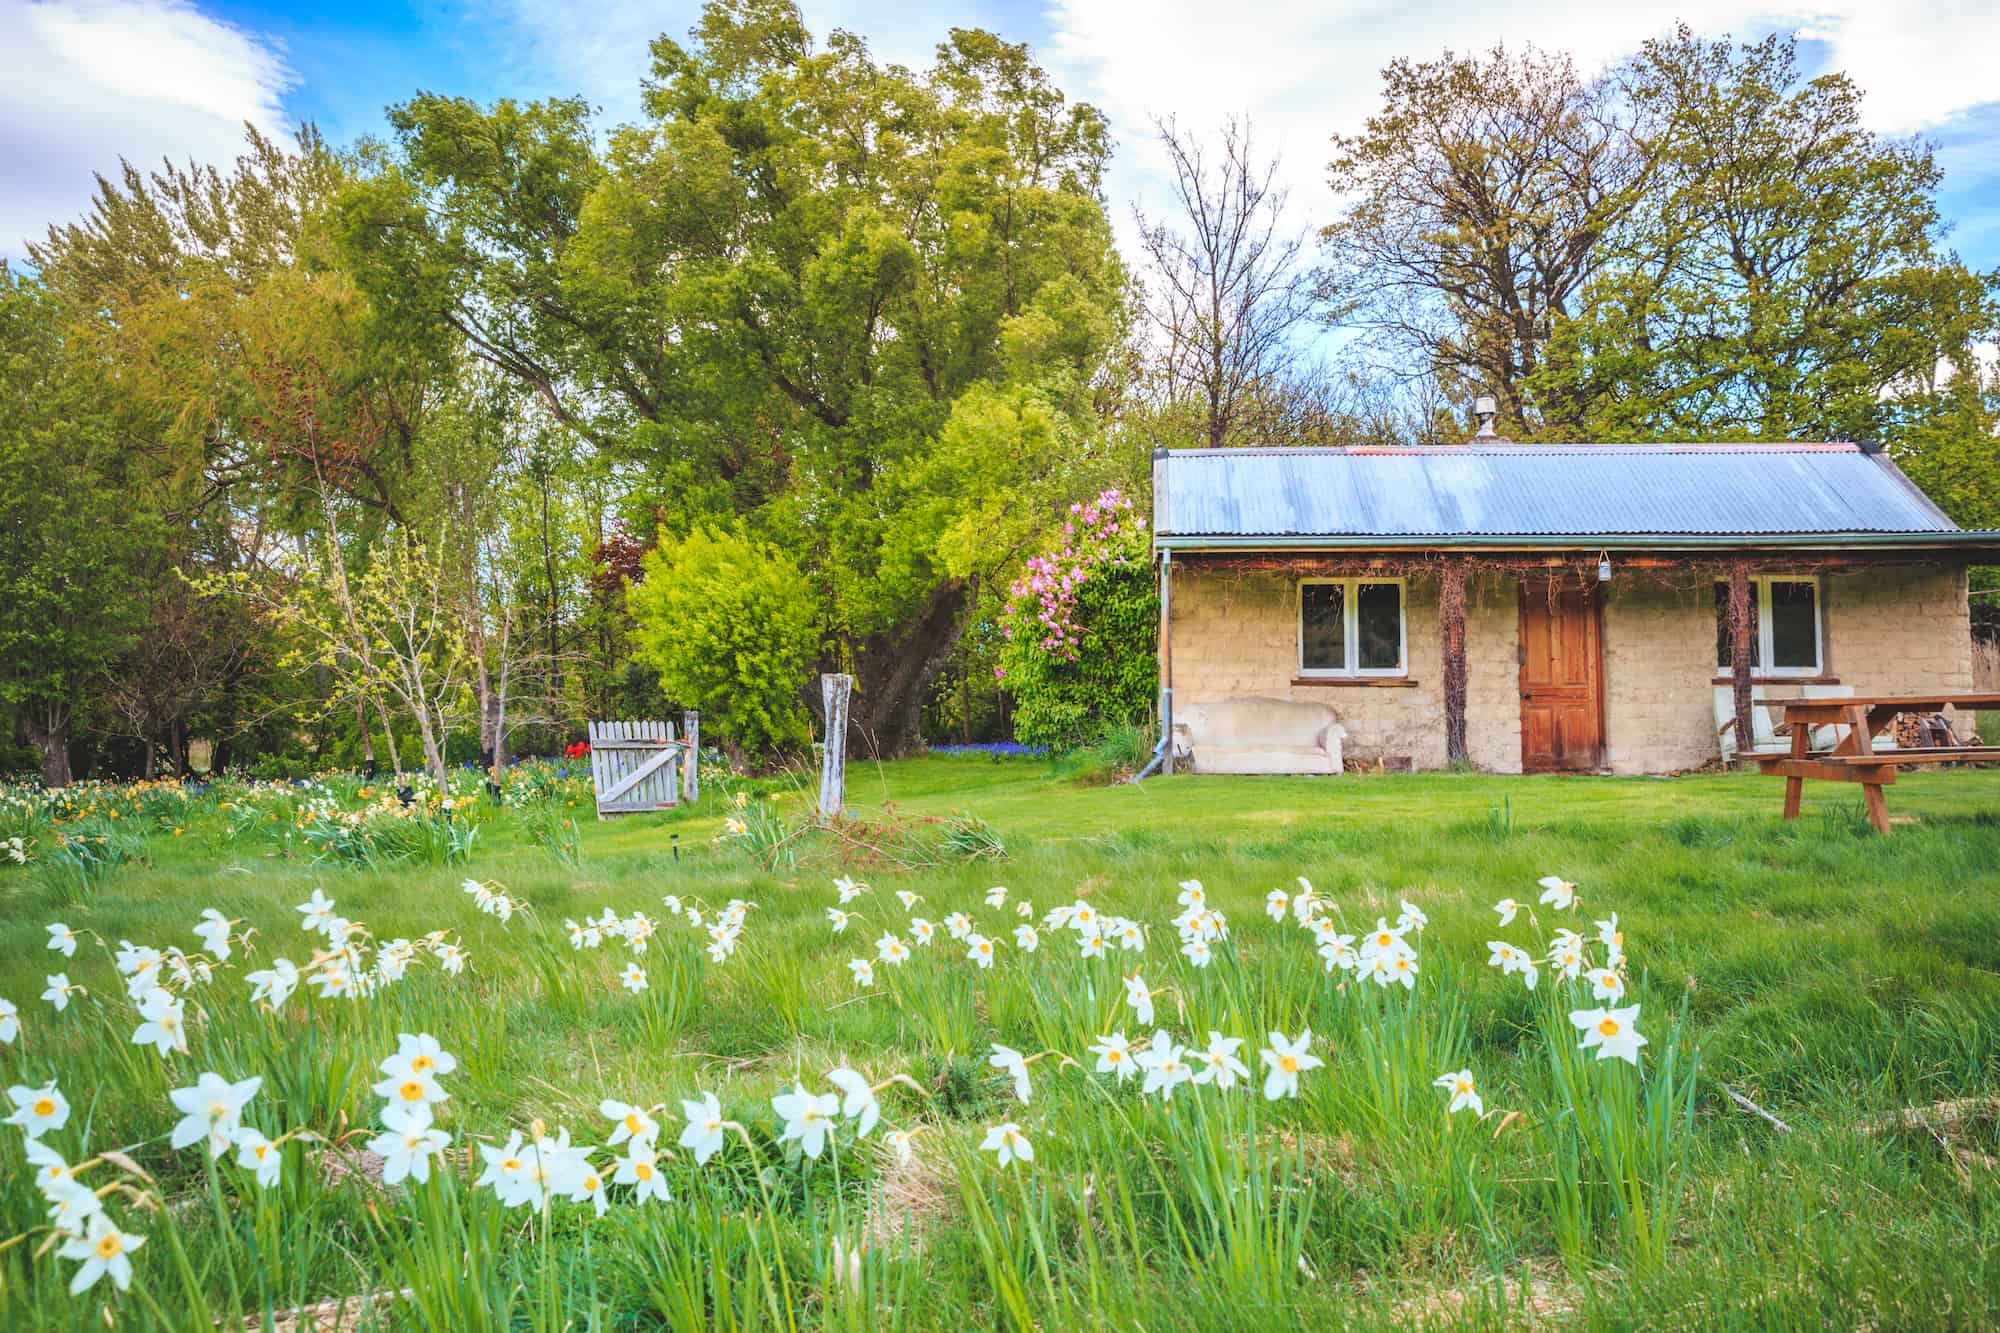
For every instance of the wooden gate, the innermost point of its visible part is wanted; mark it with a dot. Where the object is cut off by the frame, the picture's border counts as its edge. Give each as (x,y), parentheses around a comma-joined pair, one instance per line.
(638,766)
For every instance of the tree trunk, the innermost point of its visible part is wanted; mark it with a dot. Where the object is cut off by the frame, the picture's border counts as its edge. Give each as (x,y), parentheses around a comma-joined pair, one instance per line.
(1451,625)
(48,731)
(367,735)
(1741,656)
(894,673)
(389,733)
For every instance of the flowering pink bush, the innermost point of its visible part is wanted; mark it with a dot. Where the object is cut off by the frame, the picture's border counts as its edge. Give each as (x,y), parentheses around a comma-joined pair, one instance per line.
(1042,602)
(1079,628)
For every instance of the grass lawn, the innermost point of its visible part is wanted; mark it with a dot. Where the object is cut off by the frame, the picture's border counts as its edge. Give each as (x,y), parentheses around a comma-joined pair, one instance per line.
(1829,976)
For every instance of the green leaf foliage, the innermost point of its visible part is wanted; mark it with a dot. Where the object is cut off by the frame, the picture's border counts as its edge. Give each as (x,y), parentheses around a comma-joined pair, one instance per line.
(728,622)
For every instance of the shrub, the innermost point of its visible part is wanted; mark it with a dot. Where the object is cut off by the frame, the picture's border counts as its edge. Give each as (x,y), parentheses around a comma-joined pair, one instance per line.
(729,624)
(1080,629)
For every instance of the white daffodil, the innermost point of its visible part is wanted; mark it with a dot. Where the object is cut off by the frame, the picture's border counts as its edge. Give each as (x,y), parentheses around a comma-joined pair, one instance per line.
(316,911)
(58,992)
(1013,1063)
(1557,892)
(48,1163)
(1399,969)
(1529,973)
(103,1248)
(922,931)
(419,1054)
(1026,939)
(996,896)
(1613,940)
(213,931)
(1024,909)
(849,889)
(1338,952)
(1605,985)
(1284,1060)
(410,1095)
(273,983)
(256,1153)
(1385,941)
(38,1110)
(633,978)
(1114,1056)
(959,924)
(1008,1144)
(1464,1093)
(640,1167)
(1411,918)
(1198,952)
(629,1122)
(165,1026)
(838,919)
(587,1186)
(1091,945)
(451,958)
(406,1153)
(1276,903)
(1140,999)
(891,950)
(10,1021)
(1165,1065)
(71,1204)
(857,1099)
(1305,903)
(1192,894)
(862,971)
(808,1118)
(979,950)
(503,1166)
(1084,919)
(1218,1063)
(1131,936)
(1504,956)
(62,939)
(1612,1033)
(903,1142)
(1506,908)
(703,1133)
(1057,917)
(212,1109)
(908,899)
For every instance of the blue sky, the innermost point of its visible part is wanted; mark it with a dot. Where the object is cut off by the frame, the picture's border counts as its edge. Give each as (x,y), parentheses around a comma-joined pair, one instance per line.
(98,79)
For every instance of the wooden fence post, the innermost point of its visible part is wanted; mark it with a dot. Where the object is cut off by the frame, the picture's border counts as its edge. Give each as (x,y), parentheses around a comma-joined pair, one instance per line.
(1451,624)
(834,690)
(691,775)
(1741,655)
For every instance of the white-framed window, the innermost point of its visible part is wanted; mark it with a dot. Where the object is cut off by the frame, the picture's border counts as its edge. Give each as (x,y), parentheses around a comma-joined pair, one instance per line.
(1351,627)
(1785,626)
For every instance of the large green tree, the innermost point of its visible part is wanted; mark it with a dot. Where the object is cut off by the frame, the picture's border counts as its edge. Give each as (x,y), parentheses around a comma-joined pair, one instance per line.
(806,291)
(69,536)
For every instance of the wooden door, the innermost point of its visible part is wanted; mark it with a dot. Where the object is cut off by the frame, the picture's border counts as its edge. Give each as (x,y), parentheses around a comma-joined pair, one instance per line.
(1562,678)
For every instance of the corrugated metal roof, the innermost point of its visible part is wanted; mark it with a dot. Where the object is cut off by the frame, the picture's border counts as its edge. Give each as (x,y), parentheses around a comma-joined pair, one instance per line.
(1539,493)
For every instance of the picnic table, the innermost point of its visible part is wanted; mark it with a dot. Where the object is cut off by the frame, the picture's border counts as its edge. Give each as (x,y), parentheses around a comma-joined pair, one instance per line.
(1855,758)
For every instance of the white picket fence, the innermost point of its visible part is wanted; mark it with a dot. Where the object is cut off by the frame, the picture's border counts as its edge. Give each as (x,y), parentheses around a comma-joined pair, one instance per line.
(637,766)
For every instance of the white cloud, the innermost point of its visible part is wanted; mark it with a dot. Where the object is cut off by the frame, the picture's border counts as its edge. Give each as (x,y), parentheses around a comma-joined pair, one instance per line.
(90,81)
(1306,71)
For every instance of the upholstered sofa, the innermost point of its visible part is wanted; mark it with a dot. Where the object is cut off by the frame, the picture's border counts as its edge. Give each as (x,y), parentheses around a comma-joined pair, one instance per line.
(1248,735)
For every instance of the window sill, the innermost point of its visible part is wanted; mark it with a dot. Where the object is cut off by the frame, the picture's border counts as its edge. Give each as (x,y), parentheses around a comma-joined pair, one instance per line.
(1376,682)
(1757,678)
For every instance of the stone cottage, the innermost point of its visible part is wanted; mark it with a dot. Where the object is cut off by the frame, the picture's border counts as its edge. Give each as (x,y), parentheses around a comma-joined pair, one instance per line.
(1534,608)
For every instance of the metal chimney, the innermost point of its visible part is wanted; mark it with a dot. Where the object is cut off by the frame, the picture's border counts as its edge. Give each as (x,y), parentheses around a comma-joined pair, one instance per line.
(1485,408)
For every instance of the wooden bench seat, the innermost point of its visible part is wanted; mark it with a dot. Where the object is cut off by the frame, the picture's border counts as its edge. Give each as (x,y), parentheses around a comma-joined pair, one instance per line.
(1938,754)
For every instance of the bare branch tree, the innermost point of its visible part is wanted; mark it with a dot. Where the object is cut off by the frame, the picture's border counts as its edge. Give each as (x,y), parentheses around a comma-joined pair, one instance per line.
(1230,290)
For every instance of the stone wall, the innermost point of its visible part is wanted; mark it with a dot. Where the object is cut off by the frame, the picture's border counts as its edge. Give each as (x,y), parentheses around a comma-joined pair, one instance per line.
(1659,674)
(1889,630)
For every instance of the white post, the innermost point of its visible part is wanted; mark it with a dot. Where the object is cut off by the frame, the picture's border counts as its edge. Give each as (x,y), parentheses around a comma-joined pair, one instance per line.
(690,777)
(834,690)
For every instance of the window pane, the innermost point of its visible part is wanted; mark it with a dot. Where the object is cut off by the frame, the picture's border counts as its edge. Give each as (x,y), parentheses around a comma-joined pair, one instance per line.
(1379,610)
(1723,660)
(1322,627)
(1794,626)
